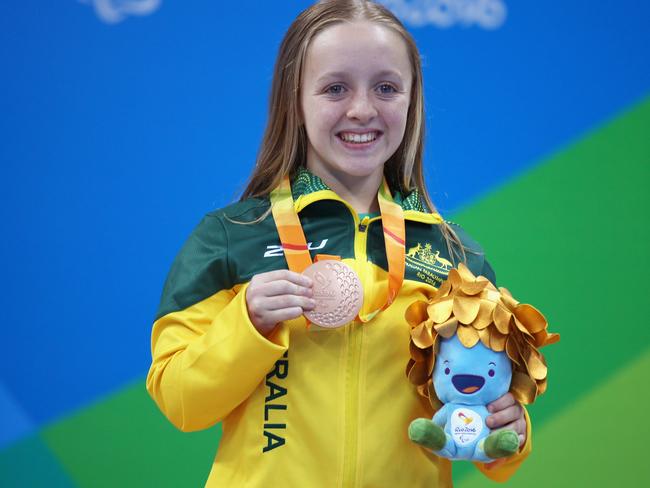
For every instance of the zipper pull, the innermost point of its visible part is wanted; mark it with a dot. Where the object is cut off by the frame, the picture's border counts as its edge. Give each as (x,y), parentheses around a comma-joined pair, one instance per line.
(363,225)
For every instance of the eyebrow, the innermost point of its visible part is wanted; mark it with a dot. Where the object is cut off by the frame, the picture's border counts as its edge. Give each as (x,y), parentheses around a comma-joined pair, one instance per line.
(342,74)
(493,364)
(445,362)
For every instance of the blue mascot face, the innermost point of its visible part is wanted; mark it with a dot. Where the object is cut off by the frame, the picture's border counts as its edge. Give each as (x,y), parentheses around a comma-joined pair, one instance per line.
(474,376)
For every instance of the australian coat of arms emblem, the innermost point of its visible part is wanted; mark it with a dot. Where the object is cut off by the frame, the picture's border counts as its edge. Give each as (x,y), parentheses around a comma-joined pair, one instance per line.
(429,266)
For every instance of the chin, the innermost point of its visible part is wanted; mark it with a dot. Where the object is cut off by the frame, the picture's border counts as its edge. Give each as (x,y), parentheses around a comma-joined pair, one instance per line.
(364,172)
(360,168)
(340,164)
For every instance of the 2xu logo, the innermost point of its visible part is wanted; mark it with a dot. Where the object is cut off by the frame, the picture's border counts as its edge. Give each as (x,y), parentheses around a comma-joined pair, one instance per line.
(276,251)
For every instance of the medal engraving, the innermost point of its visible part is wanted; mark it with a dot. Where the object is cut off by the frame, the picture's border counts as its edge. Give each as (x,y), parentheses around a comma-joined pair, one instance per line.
(337,291)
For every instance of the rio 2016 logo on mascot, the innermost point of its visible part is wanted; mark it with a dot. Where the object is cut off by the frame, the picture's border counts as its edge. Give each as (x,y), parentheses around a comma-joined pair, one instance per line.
(470,344)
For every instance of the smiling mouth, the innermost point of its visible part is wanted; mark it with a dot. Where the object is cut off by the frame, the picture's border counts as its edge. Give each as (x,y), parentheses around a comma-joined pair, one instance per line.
(467,383)
(356,139)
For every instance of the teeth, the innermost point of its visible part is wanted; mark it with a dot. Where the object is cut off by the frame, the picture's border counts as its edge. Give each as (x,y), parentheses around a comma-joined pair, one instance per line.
(358,138)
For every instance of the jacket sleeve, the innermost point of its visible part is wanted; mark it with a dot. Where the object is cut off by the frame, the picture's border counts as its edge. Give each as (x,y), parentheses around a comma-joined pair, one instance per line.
(207,357)
(502,470)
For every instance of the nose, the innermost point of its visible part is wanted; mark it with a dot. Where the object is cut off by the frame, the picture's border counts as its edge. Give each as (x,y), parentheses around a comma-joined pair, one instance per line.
(361,108)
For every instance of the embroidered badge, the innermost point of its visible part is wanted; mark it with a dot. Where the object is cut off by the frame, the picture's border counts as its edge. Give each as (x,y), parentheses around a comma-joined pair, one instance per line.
(427,265)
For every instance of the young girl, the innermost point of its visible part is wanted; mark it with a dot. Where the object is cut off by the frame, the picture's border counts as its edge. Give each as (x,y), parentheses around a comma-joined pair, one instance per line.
(341,164)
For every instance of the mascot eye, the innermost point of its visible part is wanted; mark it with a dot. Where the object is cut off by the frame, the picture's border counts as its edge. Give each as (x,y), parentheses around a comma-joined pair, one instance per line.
(447,371)
(491,373)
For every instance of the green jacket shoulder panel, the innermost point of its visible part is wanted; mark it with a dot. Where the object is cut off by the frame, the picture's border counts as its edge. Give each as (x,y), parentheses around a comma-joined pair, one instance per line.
(474,253)
(244,211)
(200,268)
(211,258)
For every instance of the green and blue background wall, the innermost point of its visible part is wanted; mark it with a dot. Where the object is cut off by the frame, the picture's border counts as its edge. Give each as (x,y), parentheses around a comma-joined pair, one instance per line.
(123,121)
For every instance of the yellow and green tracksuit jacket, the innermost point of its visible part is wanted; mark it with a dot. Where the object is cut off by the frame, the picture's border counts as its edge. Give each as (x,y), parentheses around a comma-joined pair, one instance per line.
(304,407)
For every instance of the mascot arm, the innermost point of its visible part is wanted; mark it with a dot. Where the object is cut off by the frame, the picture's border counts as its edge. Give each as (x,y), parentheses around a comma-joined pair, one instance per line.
(441,416)
(503,469)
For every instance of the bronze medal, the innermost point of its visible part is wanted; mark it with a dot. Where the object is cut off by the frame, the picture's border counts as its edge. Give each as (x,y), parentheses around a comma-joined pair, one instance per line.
(337,291)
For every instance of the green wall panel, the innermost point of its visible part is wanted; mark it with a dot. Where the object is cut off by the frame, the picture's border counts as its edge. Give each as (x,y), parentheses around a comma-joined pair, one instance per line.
(30,463)
(125,441)
(571,237)
(598,440)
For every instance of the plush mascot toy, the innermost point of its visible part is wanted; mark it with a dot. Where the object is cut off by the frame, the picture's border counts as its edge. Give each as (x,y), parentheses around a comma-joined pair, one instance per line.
(470,344)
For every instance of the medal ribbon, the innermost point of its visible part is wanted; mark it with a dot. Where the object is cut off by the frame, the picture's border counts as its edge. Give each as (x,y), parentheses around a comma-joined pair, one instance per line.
(296,251)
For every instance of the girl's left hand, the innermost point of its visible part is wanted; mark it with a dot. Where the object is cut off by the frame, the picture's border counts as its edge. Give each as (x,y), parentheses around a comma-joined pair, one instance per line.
(507,413)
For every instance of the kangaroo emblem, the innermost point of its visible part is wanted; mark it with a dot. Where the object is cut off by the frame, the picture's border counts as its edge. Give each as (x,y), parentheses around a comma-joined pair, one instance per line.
(423,257)
(414,250)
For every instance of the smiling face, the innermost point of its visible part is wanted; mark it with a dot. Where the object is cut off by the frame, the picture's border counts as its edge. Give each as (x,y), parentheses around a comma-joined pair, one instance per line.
(472,376)
(354,99)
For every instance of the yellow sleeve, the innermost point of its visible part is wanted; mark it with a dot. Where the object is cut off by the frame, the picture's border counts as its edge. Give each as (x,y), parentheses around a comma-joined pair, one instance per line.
(208,358)
(503,469)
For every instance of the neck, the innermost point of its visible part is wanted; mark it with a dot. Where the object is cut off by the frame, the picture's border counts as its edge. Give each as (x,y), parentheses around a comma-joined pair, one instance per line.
(359,191)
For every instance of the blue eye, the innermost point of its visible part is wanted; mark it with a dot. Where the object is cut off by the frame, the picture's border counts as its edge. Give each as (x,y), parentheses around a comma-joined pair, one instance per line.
(334,89)
(447,371)
(491,373)
(387,89)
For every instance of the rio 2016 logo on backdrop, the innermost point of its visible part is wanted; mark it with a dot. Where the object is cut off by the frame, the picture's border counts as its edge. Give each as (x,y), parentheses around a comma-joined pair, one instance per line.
(487,14)
(114,11)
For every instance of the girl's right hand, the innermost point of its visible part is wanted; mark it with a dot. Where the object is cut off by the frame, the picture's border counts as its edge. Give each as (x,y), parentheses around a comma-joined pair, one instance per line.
(277,296)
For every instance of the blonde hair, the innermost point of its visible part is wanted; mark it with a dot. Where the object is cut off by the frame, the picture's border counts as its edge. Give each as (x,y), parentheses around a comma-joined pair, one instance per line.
(284,144)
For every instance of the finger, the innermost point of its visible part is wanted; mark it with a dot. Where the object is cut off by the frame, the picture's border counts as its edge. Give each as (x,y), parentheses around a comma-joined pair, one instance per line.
(288,301)
(284,274)
(518,426)
(283,287)
(503,417)
(277,316)
(501,403)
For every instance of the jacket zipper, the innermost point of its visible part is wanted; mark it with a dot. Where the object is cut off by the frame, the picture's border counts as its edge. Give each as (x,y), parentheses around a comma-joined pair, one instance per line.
(354,336)
(354,345)
(363,225)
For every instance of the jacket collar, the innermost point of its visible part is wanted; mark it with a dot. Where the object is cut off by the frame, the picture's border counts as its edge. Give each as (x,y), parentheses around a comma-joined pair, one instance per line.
(306,188)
